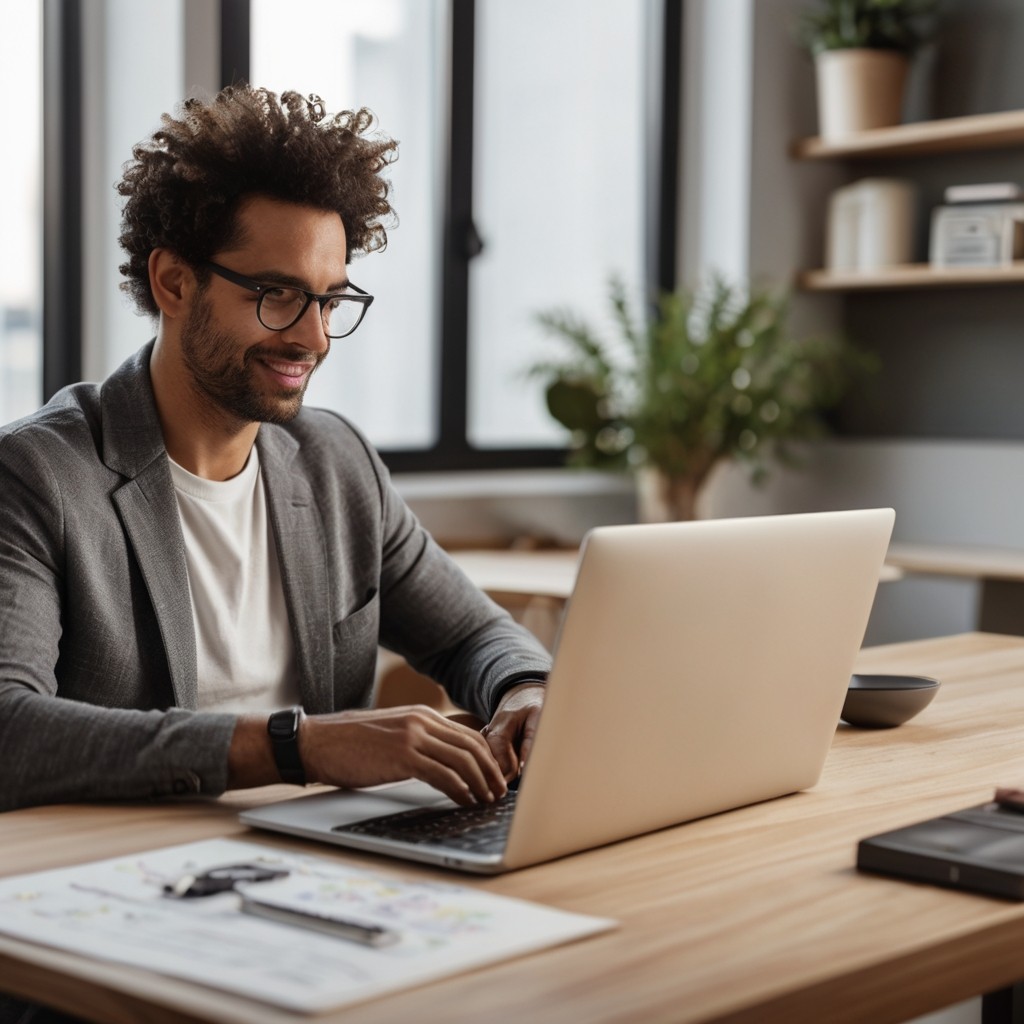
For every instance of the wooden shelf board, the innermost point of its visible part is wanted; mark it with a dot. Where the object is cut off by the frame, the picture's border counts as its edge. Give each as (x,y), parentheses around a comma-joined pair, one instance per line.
(978,131)
(911,275)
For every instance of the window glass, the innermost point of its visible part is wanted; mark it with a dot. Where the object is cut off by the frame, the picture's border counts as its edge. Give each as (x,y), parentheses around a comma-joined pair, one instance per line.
(384,55)
(558,191)
(21,213)
(133,74)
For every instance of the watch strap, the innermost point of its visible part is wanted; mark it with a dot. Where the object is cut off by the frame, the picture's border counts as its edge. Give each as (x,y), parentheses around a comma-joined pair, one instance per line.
(283,729)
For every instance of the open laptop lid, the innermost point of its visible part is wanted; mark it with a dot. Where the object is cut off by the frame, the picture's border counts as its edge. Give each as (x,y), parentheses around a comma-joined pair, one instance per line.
(701,666)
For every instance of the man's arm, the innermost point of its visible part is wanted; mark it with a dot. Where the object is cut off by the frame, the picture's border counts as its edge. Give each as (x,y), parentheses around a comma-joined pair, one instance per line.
(429,612)
(57,751)
(95,747)
(443,624)
(369,747)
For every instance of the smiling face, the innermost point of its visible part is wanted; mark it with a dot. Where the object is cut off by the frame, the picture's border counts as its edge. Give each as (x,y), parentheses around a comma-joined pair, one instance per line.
(235,363)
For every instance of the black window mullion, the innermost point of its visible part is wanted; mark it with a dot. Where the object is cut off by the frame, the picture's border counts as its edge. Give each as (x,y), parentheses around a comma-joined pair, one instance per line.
(458,234)
(62,194)
(235,37)
(665,222)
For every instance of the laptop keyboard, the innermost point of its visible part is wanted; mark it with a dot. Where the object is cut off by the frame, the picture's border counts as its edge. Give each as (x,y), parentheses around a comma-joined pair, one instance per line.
(472,829)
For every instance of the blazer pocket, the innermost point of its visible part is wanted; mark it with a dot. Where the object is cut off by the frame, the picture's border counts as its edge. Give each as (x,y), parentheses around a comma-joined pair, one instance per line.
(354,655)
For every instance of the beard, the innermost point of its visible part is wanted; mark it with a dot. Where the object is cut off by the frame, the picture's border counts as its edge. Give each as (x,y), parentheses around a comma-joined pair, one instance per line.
(224,372)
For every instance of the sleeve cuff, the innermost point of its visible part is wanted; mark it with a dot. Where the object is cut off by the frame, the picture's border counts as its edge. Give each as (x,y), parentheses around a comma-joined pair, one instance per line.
(517,679)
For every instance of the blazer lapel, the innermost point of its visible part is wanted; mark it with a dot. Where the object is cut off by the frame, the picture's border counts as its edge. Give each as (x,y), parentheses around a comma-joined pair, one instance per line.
(160,551)
(302,557)
(133,446)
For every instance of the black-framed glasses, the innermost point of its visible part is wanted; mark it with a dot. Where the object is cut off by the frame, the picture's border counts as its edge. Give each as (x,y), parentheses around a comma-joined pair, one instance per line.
(279,306)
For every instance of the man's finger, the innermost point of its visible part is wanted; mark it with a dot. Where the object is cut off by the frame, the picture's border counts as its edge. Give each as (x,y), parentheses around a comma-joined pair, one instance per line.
(504,751)
(476,766)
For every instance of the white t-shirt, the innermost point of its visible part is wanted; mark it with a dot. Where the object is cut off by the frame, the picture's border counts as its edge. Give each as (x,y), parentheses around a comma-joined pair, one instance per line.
(245,654)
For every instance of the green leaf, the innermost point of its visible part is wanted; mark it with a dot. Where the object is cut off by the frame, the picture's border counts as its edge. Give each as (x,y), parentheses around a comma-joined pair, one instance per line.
(576,405)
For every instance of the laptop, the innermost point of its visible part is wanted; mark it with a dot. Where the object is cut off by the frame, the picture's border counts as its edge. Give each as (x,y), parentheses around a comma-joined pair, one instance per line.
(700,666)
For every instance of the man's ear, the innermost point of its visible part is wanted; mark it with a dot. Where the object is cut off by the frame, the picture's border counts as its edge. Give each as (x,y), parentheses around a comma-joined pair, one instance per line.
(172,282)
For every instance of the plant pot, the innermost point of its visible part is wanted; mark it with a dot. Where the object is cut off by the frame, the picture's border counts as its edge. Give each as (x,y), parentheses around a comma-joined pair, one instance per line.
(665,499)
(859,89)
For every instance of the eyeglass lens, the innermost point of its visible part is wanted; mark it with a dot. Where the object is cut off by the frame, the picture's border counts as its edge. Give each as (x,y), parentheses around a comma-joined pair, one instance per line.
(279,308)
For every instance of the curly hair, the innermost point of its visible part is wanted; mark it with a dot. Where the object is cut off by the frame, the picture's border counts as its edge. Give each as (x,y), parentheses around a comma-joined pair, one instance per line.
(184,184)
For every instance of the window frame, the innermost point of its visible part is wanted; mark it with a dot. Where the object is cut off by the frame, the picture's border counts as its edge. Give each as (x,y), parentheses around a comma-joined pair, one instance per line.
(451,451)
(62,195)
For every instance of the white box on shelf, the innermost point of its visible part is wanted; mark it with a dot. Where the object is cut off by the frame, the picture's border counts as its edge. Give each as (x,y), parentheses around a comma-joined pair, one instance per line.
(977,235)
(870,224)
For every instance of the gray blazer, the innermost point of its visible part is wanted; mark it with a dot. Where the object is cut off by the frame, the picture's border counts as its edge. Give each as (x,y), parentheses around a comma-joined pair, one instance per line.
(95,606)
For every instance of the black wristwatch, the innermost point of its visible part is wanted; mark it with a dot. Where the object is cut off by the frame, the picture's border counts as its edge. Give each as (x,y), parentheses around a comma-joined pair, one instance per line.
(283,729)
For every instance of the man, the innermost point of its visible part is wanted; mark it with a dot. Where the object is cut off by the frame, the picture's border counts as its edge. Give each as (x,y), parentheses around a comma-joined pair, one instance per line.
(184,548)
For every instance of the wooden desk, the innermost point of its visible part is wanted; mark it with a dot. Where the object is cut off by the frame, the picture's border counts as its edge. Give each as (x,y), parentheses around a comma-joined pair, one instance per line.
(544,573)
(999,572)
(756,915)
(540,573)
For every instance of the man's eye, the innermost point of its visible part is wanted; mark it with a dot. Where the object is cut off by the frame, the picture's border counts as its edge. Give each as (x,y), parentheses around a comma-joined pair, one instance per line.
(280,296)
(333,303)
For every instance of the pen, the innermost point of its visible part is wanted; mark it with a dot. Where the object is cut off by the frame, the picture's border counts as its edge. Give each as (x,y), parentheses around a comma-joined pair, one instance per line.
(322,921)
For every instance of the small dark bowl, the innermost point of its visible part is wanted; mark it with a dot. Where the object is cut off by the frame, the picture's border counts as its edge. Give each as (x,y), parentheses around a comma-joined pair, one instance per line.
(879,702)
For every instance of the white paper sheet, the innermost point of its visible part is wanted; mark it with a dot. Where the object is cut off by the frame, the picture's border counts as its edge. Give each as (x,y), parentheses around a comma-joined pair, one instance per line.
(115,910)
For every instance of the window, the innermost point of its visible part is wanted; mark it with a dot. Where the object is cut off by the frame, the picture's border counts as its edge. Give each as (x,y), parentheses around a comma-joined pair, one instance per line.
(21,216)
(535,143)
(130,86)
(559,174)
(385,55)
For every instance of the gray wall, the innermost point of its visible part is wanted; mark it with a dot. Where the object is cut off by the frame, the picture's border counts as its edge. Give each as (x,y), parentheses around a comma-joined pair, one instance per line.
(939,433)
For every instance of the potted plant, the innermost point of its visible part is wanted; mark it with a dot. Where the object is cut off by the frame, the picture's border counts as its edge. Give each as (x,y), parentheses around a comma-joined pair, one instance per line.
(713,374)
(862,51)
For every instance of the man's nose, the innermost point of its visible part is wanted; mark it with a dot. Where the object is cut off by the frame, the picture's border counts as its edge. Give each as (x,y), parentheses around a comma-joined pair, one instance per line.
(309,331)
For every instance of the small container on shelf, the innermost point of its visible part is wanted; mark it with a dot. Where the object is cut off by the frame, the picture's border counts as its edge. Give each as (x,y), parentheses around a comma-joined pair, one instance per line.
(976,233)
(870,225)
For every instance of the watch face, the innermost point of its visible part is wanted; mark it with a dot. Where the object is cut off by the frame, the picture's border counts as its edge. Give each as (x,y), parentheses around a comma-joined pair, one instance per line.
(283,724)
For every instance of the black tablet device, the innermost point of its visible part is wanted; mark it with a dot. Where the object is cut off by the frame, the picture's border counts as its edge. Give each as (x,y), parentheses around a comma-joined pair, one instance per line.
(980,849)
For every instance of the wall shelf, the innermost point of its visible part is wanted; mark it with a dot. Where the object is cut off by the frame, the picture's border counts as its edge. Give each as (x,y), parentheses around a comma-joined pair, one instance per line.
(954,134)
(907,276)
(1001,130)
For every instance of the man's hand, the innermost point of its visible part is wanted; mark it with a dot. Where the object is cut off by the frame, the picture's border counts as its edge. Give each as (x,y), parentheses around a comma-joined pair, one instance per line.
(366,748)
(511,731)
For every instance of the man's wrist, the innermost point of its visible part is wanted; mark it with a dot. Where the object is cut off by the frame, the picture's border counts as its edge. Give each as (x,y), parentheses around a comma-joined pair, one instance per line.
(528,679)
(508,693)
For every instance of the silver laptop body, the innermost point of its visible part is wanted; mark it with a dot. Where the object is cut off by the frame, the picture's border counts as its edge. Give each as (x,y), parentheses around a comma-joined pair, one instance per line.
(700,666)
